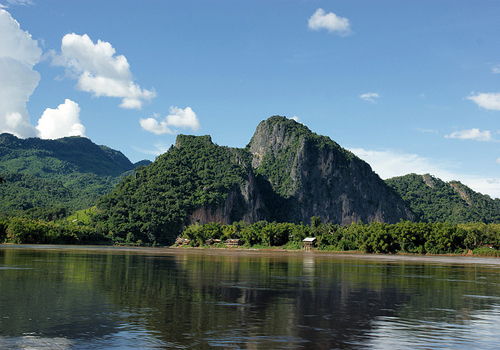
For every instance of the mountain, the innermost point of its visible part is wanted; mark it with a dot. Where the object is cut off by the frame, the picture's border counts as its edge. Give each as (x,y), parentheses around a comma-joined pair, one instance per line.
(434,200)
(72,172)
(286,173)
(62,156)
(317,177)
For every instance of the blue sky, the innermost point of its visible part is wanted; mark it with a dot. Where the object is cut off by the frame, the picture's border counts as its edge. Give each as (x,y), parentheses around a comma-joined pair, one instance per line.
(409,86)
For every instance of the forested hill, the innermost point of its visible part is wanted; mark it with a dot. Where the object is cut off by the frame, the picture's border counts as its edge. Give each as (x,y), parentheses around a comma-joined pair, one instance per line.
(434,200)
(286,173)
(44,158)
(68,173)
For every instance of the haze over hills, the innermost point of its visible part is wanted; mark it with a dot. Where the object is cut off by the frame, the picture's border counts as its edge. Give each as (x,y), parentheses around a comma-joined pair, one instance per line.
(286,174)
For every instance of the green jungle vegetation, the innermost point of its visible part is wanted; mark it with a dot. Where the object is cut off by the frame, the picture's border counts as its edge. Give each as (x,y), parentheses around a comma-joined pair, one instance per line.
(433,200)
(70,172)
(403,237)
(71,191)
(152,206)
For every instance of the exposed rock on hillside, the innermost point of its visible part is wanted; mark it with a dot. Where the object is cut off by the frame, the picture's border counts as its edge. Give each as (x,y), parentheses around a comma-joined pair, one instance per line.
(286,173)
(317,177)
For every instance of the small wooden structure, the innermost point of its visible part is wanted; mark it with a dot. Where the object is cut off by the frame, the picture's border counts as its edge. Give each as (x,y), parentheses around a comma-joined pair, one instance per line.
(211,241)
(309,242)
(181,241)
(233,242)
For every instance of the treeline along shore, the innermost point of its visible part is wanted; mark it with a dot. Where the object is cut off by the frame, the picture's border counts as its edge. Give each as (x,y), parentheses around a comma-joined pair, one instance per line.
(403,237)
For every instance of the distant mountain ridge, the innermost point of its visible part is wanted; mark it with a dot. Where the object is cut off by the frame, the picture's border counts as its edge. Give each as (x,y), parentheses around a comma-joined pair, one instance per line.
(72,172)
(434,200)
(78,154)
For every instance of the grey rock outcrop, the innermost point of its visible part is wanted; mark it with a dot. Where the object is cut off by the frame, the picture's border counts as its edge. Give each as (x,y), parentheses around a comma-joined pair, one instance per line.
(316,177)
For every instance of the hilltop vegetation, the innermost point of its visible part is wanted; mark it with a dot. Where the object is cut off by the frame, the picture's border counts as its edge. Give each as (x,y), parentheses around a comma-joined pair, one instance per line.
(71,172)
(153,205)
(433,200)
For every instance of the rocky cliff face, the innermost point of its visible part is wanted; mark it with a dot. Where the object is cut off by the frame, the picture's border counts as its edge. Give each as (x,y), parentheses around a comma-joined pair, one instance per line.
(319,178)
(286,174)
(242,203)
(294,174)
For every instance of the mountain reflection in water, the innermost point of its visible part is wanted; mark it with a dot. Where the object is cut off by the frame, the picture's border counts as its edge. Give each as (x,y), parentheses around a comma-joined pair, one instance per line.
(93,298)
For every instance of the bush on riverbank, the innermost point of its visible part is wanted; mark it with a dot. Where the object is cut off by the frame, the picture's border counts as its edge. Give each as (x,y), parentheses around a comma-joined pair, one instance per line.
(403,237)
(27,231)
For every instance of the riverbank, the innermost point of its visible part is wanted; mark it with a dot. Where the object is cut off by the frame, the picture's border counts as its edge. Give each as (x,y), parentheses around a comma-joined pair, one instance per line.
(274,254)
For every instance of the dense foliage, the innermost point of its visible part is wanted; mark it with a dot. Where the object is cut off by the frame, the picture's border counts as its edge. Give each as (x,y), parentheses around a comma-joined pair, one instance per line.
(23,192)
(433,200)
(23,230)
(71,172)
(403,237)
(153,205)
(67,155)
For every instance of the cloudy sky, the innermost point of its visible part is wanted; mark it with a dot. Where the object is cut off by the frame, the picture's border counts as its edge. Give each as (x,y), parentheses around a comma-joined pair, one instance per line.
(409,86)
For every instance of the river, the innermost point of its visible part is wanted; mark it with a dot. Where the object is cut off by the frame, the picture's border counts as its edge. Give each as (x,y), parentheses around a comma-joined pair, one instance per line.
(61,297)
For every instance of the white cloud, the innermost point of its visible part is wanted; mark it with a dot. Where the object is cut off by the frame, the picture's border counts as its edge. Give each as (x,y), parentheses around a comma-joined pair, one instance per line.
(17,2)
(61,122)
(183,118)
(489,100)
(329,21)
(99,71)
(156,127)
(472,134)
(19,53)
(496,69)
(295,118)
(369,96)
(178,117)
(390,163)
(430,131)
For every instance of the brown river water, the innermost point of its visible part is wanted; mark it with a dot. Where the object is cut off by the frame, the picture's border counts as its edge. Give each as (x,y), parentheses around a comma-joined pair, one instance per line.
(67,297)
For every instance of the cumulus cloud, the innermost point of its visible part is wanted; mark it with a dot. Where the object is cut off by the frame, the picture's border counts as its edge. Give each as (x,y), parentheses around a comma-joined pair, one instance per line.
(489,100)
(19,53)
(472,134)
(61,122)
(178,117)
(99,71)
(295,118)
(329,21)
(391,163)
(369,96)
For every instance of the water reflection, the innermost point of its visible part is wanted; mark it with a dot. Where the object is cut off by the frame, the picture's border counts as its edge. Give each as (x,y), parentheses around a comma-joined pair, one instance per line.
(92,299)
